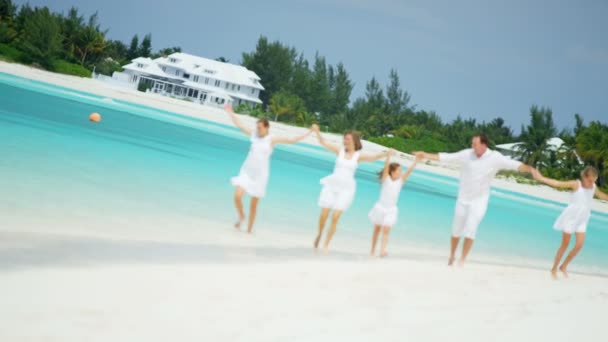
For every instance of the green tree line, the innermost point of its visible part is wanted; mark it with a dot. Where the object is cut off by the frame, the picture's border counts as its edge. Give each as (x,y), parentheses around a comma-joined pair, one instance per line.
(68,43)
(301,91)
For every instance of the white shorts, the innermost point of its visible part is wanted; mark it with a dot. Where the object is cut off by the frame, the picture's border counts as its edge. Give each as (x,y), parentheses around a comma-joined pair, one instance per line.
(383,216)
(467,217)
(335,199)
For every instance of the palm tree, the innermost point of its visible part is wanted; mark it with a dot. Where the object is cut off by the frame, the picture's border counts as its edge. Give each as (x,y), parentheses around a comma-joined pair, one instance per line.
(592,146)
(534,137)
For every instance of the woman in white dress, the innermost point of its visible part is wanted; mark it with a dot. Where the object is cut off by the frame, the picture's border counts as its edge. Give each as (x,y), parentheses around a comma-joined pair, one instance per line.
(253,177)
(575,217)
(384,213)
(339,188)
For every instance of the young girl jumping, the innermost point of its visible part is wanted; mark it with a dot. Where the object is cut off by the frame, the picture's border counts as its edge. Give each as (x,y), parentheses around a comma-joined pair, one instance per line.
(575,217)
(339,188)
(384,213)
(253,177)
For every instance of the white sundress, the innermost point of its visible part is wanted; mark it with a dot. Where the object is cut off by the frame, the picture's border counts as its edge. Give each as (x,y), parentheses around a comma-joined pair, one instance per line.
(253,177)
(385,211)
(575,217)
(339,188)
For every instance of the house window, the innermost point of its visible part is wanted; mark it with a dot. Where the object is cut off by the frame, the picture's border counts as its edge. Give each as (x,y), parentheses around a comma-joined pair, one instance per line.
(172,60)
(207,80)
(139,65)
(239,88)
(227,85)
(195,78)
(233,86)
(186,75)
(177,72)
(195,93)
(164,68)
(190,91)
(217,83)
(209,71)
(253,91)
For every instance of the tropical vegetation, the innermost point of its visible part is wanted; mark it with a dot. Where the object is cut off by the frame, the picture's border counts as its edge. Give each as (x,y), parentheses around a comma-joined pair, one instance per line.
(301,92)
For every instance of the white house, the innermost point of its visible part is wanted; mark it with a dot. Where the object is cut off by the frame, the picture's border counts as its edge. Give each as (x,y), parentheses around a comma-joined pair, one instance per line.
(198,79)
(513,150)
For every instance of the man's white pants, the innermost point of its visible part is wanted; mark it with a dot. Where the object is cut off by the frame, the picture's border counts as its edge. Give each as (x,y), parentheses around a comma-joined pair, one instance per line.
(468,216)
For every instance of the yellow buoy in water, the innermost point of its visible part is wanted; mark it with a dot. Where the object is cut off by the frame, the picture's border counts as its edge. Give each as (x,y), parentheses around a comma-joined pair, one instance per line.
(95,117)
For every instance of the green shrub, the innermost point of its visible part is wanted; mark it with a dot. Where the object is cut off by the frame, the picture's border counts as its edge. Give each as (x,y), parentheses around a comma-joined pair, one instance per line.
(427,144)
(143,87)
(67,68)
(10,53)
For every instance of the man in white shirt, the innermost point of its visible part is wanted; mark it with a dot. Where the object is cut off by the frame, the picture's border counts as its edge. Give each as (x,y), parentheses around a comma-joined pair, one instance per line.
(479,165)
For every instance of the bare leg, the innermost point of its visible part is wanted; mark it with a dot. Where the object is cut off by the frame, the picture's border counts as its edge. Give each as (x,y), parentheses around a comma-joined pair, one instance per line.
(253,209)
(238,203)
(580,240)
(322,220)
(385,231)
(453,246)
(375,239)
(560,253)
(332,229)
(466,248)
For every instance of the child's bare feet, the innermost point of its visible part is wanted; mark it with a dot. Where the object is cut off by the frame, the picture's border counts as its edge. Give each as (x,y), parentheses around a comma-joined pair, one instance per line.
(326,250)
(554,273)
(384,254)
(451,261)
(460,263)
(238,223)
(564,271)
(317,239)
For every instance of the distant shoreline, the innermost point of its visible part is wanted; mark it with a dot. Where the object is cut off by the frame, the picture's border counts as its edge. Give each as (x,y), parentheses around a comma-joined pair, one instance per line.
(100,88)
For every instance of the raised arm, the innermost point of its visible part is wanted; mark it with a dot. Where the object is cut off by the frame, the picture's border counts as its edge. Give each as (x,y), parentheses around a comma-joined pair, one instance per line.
(573,185)
(409,171)
(601,195)
(423,155)
(387,164)
(291,140)
(323,142)
(364,158)
(235,119)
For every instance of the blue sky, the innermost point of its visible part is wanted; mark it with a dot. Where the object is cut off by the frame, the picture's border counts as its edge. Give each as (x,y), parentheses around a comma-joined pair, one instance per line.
(470,57)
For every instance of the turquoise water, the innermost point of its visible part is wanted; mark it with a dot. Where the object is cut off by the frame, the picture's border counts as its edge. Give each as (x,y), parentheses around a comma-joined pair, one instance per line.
(140,161)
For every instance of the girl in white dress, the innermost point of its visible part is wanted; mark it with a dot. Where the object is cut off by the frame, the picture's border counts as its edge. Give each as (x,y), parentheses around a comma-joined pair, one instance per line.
(253,177)
(575,217)
(339,188)
(384,213)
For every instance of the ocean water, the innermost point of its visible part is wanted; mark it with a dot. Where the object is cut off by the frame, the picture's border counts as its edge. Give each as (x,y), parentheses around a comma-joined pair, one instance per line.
(140,162)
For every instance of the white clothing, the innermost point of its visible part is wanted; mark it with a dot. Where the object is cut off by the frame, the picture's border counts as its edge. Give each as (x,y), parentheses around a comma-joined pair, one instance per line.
(339,188)
(385,211)
(253,177)
(476,176)
(467,217)
(575,217)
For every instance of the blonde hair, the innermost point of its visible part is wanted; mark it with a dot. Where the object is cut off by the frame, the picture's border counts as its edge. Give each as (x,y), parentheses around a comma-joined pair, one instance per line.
(589,171)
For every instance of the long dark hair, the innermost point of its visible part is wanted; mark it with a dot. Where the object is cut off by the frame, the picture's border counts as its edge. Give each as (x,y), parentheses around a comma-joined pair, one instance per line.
(391,168)
(356,139)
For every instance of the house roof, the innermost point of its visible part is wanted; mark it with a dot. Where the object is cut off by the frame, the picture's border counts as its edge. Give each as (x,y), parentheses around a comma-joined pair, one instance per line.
(552,143)
(206,67)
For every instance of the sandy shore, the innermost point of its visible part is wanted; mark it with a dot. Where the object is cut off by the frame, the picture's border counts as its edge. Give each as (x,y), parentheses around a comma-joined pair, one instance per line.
(220,285)
(217,115)
(139,279)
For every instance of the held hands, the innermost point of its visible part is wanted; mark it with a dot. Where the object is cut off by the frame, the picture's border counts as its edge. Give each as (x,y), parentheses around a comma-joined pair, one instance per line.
(391,152)
(228,108)
(536,174)
(419,155)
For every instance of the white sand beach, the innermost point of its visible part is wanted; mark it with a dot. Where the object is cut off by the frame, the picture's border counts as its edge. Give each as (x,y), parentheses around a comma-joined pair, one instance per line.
(131,279)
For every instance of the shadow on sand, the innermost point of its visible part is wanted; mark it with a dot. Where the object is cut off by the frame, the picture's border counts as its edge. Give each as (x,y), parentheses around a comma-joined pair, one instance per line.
(20,250)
